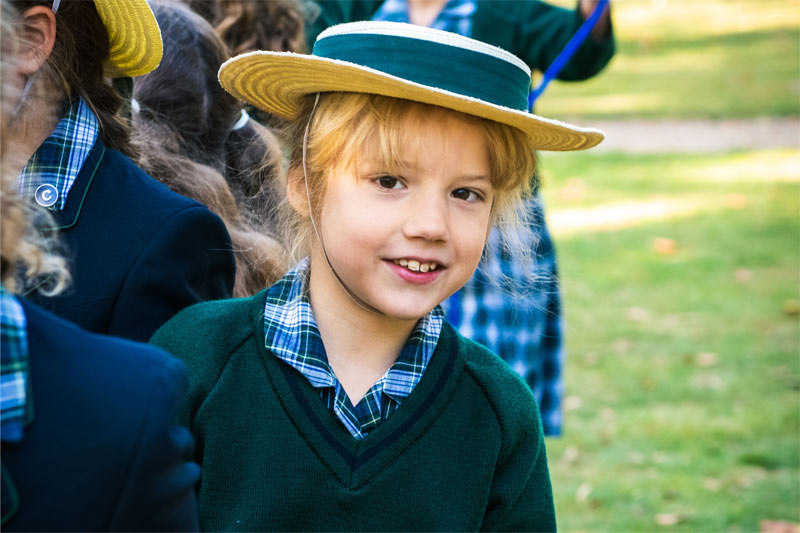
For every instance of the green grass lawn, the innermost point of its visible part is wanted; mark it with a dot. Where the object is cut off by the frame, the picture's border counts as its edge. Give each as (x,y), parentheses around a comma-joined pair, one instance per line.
(691,59)
(682,408)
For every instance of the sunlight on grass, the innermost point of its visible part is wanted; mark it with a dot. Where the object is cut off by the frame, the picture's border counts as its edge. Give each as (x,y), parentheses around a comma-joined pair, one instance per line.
(687,58)
(682,374)
(765,166)
(612,217)
(644,18)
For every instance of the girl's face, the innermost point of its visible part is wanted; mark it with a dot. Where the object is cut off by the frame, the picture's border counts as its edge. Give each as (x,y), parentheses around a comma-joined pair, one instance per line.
(403,242)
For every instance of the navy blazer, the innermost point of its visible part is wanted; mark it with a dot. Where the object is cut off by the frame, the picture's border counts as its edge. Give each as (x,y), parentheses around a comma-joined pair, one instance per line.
(139,253)
(101,451)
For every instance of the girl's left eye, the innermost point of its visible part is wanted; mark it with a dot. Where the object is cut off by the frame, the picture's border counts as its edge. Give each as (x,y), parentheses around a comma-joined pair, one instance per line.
(388,182)
(467,194)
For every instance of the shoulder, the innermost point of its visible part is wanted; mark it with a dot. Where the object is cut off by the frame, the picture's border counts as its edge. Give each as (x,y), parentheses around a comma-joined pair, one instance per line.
(509,396)
(109,379)
(206,335)
(150,209)
(126,181)
(68,344)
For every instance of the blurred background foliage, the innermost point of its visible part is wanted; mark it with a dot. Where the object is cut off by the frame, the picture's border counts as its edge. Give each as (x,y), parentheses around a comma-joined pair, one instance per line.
(680,275)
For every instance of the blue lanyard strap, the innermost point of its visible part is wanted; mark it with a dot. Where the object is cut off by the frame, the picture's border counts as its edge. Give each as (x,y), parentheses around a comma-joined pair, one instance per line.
(569,50)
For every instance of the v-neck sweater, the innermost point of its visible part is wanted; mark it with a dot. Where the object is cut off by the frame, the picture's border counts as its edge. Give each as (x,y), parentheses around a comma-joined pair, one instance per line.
(465,451)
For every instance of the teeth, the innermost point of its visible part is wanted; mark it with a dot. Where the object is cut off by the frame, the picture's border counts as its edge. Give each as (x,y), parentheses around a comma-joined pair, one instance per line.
(415,266)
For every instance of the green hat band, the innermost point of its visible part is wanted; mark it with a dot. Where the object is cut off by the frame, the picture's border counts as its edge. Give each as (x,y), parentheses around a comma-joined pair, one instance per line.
(459,70)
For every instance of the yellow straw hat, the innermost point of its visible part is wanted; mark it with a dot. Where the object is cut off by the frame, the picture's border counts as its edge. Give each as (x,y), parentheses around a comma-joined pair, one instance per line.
(402,61)
(134,36)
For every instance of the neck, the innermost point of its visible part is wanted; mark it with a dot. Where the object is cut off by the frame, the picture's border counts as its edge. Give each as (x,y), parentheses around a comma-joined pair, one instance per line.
(424,12)
(27,130)
(361,344)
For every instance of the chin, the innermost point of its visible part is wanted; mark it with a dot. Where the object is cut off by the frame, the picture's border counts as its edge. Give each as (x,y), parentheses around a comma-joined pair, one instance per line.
(410,311)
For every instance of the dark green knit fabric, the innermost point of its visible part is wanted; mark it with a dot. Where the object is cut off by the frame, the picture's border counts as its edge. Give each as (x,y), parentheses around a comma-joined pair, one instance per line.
(533,30)
(465,451)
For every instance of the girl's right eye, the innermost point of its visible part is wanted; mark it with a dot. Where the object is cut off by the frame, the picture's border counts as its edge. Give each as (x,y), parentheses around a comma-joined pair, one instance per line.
(388,182)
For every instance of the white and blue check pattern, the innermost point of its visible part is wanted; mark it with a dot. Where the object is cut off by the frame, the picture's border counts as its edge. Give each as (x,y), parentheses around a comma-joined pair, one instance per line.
(517,314)
(291,333)
(60,158)
(455,16)
(13,367)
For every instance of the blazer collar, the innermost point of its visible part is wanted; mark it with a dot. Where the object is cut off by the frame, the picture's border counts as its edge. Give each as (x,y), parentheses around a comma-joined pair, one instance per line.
(68,217)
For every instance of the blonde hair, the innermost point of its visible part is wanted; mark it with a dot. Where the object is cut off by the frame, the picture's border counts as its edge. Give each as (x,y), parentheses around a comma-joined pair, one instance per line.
(27,256)
(345,122)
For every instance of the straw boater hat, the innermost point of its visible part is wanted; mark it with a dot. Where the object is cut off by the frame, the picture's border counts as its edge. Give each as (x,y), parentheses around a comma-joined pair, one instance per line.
(134,36)
(402,61)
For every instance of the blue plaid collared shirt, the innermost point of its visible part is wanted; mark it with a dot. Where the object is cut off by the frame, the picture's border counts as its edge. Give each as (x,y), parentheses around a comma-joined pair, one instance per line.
(292,334)
(13,367)
(519,317)
(455,16)
(50,172)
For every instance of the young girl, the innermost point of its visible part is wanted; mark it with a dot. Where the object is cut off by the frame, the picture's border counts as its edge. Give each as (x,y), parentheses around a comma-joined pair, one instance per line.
(339,398)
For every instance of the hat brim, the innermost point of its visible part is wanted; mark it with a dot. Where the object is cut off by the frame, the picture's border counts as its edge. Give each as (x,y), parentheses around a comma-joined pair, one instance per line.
(276,82)
(134,37)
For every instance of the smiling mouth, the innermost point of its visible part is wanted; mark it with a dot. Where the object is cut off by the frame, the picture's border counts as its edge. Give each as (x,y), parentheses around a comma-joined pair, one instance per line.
(416,266)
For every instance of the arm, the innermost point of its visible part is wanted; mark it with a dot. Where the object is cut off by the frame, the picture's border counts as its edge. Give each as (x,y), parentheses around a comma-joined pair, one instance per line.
(189,260)
(544,30)
(521,498)
(158,494)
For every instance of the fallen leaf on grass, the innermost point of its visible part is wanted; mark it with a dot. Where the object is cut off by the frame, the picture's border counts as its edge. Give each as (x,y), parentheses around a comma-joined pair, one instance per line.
(571,455)
(664,246)
(778,526)
(636,458)
(736,201)
(791,307)
(572,402)
(637,314)
(621,345)
(668,519)
(707,358)
(583,492)
(707,381)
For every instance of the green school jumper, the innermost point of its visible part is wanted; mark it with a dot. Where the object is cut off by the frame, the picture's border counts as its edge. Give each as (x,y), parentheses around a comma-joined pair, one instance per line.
(464,451)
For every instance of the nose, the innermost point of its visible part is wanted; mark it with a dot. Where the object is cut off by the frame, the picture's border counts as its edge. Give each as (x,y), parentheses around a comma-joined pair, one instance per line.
(427,218)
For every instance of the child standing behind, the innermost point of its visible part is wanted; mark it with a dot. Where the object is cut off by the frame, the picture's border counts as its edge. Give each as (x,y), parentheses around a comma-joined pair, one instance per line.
(339,398)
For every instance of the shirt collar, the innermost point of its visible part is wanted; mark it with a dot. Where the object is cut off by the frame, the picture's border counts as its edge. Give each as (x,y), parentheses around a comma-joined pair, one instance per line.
(292,334)
(13,367)
(52,170)
(455,16)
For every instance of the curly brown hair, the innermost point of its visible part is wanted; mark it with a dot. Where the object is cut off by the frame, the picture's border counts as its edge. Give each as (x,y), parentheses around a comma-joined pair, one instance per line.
(246,25)
(183,130)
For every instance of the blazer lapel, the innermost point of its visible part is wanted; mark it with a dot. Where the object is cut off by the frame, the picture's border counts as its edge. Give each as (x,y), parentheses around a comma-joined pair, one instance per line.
(68,217)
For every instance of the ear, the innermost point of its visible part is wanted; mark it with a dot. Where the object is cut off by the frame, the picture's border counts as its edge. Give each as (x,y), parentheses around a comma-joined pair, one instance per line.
(296,190)
(37,35)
